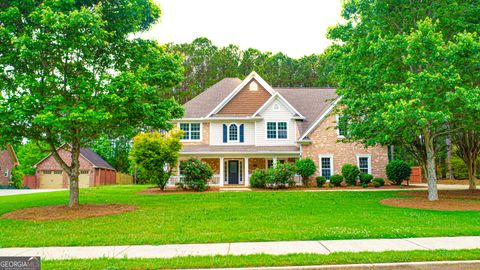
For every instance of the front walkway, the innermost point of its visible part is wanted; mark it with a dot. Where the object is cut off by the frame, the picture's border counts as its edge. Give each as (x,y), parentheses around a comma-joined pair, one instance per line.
(10,192)
(246,248)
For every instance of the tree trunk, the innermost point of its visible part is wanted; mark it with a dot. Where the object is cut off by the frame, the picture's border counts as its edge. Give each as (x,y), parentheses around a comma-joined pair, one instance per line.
(472,171)
(431,170)
(74,173)
(449,159)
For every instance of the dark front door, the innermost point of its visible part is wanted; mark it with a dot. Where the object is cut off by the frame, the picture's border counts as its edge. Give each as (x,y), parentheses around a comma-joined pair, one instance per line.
(233,172)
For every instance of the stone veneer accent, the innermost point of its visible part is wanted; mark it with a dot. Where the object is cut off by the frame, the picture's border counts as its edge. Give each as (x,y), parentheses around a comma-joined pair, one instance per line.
(325,141)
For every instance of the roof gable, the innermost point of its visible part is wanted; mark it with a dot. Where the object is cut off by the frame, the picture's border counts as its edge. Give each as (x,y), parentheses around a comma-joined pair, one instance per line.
(252,76)
(246,102)
(88,155)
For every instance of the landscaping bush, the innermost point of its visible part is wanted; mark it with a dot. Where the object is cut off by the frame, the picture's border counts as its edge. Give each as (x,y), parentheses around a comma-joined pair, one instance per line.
(336,180)
(350,172)
(281,175)
(398,171)
(17,178)
(365,178)
(305,167)
(378,181)
(195,174)
(460,169)
(258,179)
(321,180)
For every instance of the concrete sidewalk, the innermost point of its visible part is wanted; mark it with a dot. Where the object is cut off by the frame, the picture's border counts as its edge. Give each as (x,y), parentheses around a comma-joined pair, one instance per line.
(11,192)
(246,248)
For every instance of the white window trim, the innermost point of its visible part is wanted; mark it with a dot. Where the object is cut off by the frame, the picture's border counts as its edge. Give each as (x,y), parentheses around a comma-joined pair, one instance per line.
(330,156)
(276,139)
(189,123)
(6,173)
(369,156)
(228,133)
(338,130)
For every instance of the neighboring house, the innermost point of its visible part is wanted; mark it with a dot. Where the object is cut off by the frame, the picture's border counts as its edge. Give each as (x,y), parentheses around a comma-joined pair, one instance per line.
(8,161)
(94,170)
(238,126)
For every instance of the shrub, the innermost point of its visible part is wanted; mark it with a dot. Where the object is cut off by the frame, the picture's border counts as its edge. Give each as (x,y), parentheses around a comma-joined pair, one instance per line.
(195,174)
(365,178)
(398,171)
(17,178)
(336,180)
(281,175)
(378,181)
(305,167)
(258,179)
(321,180)
(350,172)
(460,169)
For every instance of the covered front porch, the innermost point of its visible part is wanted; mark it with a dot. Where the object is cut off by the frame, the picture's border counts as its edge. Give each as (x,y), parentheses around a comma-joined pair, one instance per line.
(235,171)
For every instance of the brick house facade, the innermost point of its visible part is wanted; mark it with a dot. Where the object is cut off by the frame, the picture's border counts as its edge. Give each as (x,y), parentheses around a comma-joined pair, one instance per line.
(94,171)
(8,161)
(238,126)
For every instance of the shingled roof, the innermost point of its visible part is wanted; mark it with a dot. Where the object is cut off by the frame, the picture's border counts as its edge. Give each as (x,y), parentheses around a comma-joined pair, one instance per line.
(95,159)
(203,104)
(312,103)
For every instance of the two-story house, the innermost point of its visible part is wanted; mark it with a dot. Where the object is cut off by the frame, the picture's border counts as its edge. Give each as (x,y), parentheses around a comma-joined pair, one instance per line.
(237,126)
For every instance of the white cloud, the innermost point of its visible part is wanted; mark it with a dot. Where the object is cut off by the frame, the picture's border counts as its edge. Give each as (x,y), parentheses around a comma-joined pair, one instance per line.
(292,27)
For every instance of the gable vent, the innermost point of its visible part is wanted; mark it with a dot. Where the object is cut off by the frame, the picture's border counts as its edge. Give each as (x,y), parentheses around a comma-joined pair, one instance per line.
(253,86)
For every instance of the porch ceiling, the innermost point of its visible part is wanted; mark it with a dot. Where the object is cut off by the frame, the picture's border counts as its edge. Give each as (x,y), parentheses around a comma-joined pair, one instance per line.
(238,149)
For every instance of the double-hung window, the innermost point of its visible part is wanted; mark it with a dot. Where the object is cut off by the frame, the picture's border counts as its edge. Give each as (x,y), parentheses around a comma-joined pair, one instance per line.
(364,163)
(342,126)
(277,130)
(191,131)
(326,166)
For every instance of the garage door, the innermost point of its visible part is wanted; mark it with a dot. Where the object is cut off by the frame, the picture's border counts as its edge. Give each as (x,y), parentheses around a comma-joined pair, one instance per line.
(84,179)
(51,179)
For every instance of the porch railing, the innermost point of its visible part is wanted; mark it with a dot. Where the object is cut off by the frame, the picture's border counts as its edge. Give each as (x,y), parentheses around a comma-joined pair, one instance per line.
(174,179)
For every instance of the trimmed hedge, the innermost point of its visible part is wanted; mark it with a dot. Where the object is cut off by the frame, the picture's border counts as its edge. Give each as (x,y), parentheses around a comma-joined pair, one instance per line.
(321,180)
(336,180)
(398,171)
(350,172)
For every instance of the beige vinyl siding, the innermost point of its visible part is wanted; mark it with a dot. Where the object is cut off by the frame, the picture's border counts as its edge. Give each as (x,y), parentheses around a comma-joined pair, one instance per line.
(283,114)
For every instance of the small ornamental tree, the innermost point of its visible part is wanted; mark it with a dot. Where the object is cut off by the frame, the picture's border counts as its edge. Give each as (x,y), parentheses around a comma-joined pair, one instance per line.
(157,154)
(281,175)
(350,172)
(72,72)
(195,174)
(306,168)
(398,171)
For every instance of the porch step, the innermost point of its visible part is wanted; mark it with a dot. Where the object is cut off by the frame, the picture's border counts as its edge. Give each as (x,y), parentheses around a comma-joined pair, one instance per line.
(226,189)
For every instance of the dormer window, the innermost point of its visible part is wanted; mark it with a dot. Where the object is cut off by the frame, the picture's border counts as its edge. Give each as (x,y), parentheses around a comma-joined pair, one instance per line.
(253,86)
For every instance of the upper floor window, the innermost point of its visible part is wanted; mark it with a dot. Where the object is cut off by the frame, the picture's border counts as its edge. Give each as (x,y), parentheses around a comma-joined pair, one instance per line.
(342,126)
(364,163)
(233,132)
(191,131)
(277,130)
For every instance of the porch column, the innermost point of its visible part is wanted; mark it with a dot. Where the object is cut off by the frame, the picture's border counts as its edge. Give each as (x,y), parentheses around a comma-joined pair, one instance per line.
(274,161)
(222,172)
(247,178)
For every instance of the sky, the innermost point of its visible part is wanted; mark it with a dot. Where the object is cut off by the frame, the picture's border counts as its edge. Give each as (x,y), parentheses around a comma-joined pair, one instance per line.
(294,27)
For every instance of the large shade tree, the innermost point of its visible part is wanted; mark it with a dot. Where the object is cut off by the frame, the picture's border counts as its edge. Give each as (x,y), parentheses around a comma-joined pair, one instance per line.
(396,75)
(71,72)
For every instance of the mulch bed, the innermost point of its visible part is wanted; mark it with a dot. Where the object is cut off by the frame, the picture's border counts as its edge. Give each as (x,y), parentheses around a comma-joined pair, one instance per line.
(158,191)
(450,200)
(63,212)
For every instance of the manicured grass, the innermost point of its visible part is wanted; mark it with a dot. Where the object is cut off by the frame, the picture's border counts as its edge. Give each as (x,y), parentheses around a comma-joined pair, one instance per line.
(228,217)
(266,260)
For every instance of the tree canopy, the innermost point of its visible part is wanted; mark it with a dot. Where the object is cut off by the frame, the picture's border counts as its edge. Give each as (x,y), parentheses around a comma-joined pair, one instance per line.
(205,64)
(70,72)
(399,75)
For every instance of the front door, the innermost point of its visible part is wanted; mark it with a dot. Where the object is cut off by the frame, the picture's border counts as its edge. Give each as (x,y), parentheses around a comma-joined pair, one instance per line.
(233,172)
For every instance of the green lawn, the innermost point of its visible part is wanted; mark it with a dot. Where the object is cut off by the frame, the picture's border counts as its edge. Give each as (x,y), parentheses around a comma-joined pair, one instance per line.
(231,216)
(266,260)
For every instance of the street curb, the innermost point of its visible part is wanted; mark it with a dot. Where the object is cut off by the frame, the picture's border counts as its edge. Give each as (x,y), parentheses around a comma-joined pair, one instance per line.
(435,265)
